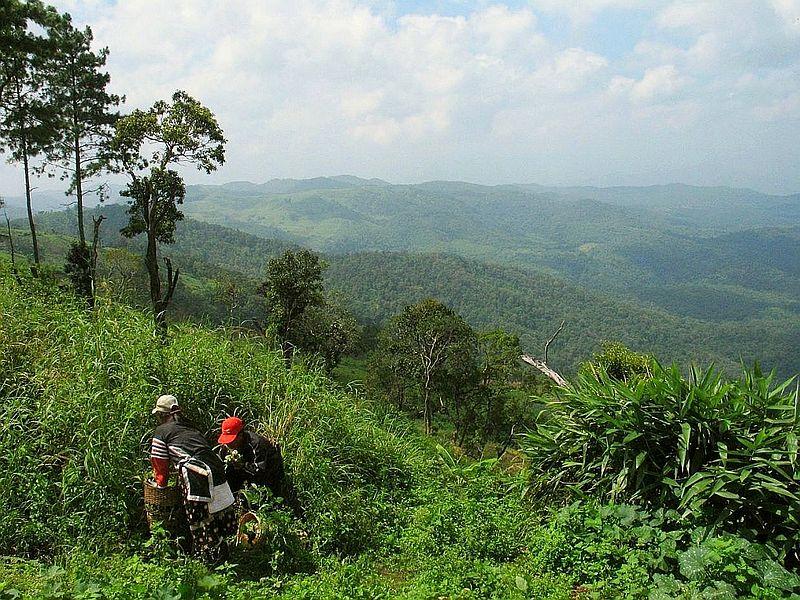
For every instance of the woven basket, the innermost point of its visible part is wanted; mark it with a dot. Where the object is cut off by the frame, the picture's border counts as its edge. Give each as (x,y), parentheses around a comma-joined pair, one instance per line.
(253,538)
(165,505)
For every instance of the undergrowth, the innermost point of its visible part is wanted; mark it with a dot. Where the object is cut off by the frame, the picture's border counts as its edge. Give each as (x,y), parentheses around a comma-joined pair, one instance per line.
(385,514)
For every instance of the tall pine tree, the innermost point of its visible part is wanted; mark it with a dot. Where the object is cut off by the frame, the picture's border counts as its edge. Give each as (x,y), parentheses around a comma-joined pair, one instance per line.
(84,110)
(27,121)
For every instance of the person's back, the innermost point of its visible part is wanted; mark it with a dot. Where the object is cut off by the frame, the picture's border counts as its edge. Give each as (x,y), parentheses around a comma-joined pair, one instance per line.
(183,441)
(250,458)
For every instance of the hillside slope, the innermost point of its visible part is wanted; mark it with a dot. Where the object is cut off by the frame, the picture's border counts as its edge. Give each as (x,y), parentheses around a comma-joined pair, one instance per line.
(383,514)
(532,305)
(376,286)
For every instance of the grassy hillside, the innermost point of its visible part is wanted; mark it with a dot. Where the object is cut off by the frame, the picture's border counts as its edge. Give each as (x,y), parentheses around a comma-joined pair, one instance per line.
(386,514)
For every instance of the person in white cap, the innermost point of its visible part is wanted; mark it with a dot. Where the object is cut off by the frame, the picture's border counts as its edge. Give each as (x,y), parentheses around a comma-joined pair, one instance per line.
(207,497)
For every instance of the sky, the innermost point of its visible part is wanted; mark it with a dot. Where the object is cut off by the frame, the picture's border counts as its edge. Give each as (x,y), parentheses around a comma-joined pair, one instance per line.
(560,92)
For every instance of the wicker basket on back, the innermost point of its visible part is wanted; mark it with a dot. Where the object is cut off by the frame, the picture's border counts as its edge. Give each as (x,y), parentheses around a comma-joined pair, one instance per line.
(165,506)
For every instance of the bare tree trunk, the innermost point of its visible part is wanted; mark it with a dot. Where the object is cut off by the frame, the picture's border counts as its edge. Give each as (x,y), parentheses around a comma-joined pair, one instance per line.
(11,247)
(151,263)
(93,257)
(34,240)
(79,190)
(427,405)
(161,305)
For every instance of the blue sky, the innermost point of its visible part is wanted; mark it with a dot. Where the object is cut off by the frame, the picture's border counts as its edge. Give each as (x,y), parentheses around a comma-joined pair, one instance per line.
(589,92)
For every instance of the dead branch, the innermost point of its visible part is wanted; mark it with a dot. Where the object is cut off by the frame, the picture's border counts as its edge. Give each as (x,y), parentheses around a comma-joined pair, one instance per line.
(542,366)
(552,337)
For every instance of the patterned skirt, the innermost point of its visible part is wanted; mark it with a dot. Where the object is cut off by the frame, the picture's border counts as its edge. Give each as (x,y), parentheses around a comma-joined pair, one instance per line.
(207,532)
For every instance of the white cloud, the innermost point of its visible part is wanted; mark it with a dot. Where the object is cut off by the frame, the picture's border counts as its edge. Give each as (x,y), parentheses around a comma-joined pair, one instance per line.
(779,109)
(657,83)
(316,87)
(581,12)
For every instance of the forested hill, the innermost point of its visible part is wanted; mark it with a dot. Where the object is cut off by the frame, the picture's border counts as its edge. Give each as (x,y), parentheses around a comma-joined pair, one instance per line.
(377,285)
(533,305)
(710,253)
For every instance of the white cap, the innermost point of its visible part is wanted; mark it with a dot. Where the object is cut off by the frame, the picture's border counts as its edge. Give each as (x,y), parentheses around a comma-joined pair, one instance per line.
(166,404)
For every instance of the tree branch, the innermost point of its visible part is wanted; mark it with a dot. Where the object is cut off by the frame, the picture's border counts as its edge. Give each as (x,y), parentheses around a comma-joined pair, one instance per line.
(542,366)
(552,337)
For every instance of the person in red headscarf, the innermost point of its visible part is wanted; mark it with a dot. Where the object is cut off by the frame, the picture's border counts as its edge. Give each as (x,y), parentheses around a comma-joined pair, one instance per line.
(250,458)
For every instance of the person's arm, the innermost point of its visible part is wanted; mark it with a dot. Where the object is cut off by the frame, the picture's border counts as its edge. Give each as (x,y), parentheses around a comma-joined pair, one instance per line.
(159,459)
(268,462)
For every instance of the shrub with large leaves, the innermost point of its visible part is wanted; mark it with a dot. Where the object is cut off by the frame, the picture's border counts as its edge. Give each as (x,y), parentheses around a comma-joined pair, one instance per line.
(723,452)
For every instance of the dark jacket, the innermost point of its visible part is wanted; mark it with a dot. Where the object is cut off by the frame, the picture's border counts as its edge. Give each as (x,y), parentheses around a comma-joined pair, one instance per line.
(261,464)
(190,453)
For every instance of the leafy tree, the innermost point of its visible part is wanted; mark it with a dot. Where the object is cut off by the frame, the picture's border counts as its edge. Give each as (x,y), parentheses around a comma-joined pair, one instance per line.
(77,93)
(230,292)
(27,123)
(330,331)
(431,342)
(146,145)
(498,359)
(498,353)
(293,284)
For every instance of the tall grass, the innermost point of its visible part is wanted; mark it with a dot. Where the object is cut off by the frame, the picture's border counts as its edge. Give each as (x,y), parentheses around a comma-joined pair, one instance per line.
(76,390)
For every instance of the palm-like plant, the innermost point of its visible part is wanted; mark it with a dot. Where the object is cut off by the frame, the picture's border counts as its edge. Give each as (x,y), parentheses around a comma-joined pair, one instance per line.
(723,452)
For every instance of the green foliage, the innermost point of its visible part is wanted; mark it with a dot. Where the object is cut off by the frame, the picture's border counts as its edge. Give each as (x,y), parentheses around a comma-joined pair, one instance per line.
(619,362)
(78,269)
(293,284)
(386,515)
(430,348)
(329,331)
(28,123)
(147,146)
(722,452)
(75,395)
(620,551)
(77,93)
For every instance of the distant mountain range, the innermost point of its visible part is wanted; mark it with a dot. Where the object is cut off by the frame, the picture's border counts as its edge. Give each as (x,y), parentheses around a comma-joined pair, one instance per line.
(732,295)
(712,253)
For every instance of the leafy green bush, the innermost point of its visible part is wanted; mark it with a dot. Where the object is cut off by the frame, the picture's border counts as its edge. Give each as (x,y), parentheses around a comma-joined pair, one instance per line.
(619,362)
(624,552)
(723,452)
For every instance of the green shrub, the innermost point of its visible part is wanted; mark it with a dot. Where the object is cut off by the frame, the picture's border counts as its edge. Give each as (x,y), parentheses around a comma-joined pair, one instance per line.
(620,551)
(723,452)
(619,362)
